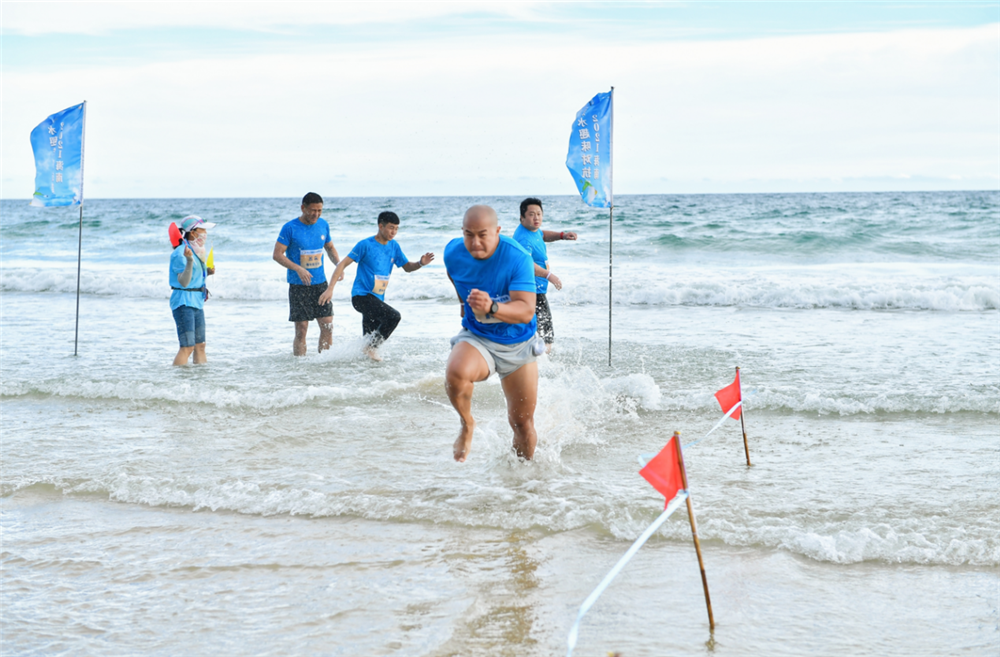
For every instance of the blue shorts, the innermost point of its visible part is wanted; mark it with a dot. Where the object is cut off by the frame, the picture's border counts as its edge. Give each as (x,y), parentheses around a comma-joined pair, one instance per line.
(190,325)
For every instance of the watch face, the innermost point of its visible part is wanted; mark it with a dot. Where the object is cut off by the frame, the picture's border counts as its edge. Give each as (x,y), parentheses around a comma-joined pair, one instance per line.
(494,308)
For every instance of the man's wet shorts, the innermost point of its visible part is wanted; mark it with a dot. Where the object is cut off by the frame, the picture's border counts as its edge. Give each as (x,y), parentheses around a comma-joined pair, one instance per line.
(303,303)
(190,325)
(544,315)
(503,359)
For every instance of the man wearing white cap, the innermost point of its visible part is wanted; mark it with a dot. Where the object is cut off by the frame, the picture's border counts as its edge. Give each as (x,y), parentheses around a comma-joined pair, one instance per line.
(187,280)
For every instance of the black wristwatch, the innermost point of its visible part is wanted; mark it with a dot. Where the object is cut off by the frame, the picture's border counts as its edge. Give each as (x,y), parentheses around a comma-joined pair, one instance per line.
(494,308)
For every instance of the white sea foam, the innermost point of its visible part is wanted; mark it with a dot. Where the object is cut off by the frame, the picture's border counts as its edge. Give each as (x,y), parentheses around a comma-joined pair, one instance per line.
(626,394)
(796,289)
(935,541)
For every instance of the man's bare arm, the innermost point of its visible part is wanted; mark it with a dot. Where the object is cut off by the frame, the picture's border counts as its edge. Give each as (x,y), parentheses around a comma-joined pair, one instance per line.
(337,275)
(519,310)
(547,274)
(331,251)
(461,301)
(555,236)
(425,259)
(279,257)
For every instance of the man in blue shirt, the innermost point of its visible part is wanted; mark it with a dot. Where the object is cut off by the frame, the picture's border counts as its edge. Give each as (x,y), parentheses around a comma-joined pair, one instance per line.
(299,249)
(494,279)
(375,257)
(531,236)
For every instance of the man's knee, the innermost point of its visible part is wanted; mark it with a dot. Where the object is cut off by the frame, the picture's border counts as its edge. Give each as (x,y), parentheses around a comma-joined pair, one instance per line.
(389,317)
(521,423)
(455,377)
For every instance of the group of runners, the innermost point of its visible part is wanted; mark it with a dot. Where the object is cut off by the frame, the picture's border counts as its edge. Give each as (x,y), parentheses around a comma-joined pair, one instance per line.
(501,283)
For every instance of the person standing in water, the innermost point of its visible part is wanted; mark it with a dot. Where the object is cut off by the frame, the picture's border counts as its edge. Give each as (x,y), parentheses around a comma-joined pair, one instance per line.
(531,236)
(187,280)
(299,249)
(375,256)
(494,279)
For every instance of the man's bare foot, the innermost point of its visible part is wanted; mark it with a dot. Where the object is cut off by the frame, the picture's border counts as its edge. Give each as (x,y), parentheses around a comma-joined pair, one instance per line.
(463,444)
(372,353)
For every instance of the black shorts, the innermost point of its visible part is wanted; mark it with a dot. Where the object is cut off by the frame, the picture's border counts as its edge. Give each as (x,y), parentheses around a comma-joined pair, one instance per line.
(544,315)
(378,318)
(303,303)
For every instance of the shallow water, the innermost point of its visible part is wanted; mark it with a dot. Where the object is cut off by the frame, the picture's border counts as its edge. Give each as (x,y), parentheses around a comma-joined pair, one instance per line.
(263,501)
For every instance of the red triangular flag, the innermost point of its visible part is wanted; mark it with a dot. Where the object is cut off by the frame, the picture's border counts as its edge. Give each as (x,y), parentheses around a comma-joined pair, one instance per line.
(728,397)
(664,472)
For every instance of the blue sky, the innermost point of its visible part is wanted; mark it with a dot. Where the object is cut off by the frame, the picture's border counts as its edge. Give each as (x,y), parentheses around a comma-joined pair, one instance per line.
(214,99)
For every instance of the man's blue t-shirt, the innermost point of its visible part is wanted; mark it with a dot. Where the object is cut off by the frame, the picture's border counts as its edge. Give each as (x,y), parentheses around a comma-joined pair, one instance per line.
(375,263)
(305,248)
(533,242)
(178,263)
(508,269)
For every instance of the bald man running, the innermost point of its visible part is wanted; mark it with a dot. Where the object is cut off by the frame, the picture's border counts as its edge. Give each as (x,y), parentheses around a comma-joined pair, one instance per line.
(495,281)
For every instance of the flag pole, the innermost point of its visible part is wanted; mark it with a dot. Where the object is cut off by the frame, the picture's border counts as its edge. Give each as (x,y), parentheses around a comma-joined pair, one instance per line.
(611,223)
(694,530)
(743,425)
(79,258)
(611,218)
(79,245)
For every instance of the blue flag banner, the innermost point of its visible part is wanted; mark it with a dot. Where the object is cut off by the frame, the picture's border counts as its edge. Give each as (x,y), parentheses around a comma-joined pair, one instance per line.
(589,156)
(58,145)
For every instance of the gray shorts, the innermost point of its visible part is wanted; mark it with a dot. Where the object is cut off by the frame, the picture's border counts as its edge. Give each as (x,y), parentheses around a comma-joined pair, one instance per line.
(504,359)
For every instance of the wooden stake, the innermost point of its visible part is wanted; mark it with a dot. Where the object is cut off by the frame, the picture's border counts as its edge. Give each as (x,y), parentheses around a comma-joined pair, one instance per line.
(694,529)
(743,411)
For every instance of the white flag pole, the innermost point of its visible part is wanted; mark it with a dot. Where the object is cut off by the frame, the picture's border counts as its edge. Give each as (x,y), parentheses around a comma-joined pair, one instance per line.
(639,542)
(79,247)
(611,216)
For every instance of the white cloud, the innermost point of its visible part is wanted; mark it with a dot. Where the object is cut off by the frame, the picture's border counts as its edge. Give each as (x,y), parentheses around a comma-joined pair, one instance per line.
(491,115)
(33,18)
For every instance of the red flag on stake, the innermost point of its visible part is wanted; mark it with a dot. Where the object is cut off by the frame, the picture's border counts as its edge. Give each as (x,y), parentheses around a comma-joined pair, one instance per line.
(730,396)
(666,473)
(663,472)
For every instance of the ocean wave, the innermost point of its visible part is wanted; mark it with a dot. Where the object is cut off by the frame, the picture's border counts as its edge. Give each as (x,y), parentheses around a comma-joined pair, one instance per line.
(793,289)
(936,541)
(573,386)
(848,402)
(220,396)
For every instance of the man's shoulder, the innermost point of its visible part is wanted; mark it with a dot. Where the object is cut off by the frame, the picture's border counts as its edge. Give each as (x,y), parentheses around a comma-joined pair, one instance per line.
(289,228)
(362,245)
(514,244)
(456,246)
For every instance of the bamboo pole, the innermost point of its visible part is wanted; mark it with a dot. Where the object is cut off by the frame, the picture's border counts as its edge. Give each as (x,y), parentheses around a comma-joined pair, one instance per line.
(694,530)
(743,412)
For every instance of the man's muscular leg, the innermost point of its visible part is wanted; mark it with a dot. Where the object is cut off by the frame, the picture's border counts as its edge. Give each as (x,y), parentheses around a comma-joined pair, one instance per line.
(325,333)
(521,390)
(299,346)
(466,367)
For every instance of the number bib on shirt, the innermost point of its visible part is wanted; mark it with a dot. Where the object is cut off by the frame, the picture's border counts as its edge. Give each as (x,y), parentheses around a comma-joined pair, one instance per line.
(483,319)
(381,282)
(311,259)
